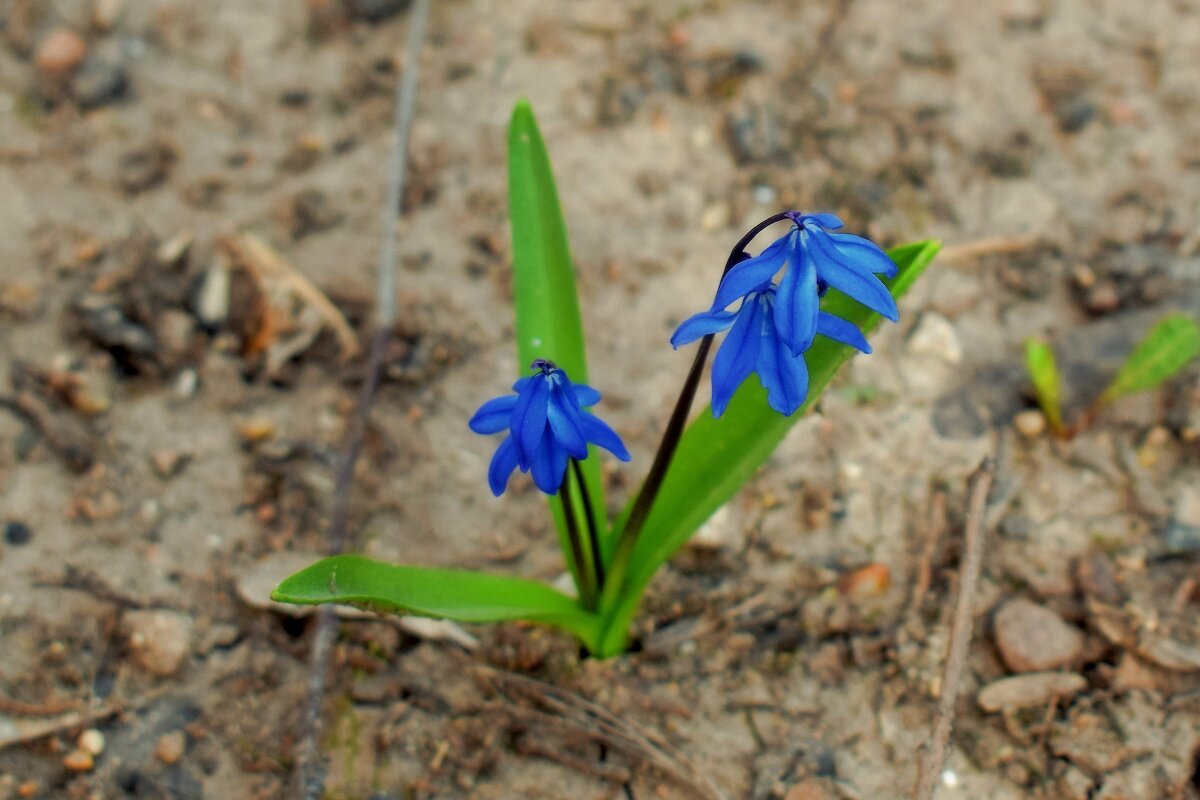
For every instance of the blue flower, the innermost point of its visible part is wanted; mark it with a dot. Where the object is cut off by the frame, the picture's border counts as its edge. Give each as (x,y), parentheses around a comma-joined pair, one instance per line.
(776,323)
(754,345)
(815,260)
(546,425)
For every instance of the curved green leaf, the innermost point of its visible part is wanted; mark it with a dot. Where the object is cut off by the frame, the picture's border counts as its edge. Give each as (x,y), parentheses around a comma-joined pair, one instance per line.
(444,593)
(717,456)
(1167,348)
(547,307)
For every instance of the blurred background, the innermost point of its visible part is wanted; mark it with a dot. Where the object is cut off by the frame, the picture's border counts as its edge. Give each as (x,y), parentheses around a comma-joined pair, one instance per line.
(189,225)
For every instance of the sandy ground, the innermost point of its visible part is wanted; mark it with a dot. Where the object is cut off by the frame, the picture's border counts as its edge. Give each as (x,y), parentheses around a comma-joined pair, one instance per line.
(154,459)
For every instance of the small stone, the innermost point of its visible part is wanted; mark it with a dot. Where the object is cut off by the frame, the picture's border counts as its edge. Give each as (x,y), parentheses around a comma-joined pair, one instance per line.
(1032,638)
(92,741)
(935,336)
(79,761)
(719,532)
(256,430)
(170,746)
(809,789)
(99,82)
(169,463)
(1132,673)
(61,52)
(715,217)
(17,533)
(1031,423)
(1034,689)
(158,640)
(28,789)
(865,583)
(1102,298)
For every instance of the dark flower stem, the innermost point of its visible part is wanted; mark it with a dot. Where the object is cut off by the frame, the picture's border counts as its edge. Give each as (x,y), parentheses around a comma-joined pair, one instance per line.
(674,432)
(588,590)
(593,534)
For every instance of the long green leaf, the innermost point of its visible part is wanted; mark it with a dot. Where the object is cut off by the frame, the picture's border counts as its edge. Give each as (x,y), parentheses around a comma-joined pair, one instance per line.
(547,307)
(1043,371)
(1168,348)
(717,456)
(444,593)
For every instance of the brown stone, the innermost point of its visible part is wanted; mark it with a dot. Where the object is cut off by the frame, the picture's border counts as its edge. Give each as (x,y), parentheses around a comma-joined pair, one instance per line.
(1025,691)
(1032,638)
(158,640)
(61,52)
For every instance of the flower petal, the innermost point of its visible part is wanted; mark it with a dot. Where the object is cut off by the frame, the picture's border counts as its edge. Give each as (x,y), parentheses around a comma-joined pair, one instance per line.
(864,252)
(701,324)
(598,433)
(503,463)
(751,274)
(842,331)
(521,383)
(549,465)
(738,354)
(796,303)
(565,420)
(493,416)
(783,375)
(586,395)
(529,418)
(849,278)
(826,220)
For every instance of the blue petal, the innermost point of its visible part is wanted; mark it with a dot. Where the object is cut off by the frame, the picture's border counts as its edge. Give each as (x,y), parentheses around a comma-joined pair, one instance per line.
(701,324)
(493,416)
(586,395)
(826,220)
(865,253)
(753,273)
(566,420)
(796,303)
(783,375)
(549,465)
(521,383)
(735,360)
(842,331)
(529,419)
(503,463)
(849,278)
(598,433)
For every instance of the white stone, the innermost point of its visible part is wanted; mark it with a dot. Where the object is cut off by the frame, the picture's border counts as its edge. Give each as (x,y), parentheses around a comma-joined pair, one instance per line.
(935,336)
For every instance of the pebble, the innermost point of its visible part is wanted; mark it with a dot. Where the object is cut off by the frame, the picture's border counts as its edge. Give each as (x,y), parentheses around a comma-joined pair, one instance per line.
(61,52)
(1032,638)
(935,336)
(79,761)
(17,533)
(1031,423)
(170,746)
(169,463)
(159,640)
(1026,691)
(866,582)
(809,789)
(1102,298)
(91,741)
(99,82)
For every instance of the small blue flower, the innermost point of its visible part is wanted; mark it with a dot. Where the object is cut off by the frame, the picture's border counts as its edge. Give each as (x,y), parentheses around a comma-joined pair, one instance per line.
(815,260)
(546,425)
(754,345)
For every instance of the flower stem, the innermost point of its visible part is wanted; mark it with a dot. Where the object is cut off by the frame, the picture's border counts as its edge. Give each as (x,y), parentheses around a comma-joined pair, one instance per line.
(588,590)
(593,533)
(623,552)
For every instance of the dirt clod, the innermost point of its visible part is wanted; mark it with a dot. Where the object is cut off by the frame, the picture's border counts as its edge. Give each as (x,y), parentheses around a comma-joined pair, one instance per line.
(1032,638)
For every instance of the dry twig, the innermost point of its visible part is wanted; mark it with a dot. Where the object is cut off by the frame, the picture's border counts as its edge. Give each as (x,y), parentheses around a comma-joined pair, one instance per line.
(960,632)
(310,771)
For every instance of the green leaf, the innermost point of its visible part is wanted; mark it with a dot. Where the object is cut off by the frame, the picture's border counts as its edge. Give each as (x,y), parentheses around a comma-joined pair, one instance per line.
(444,593)
(547,307)
(1043,371)
(717,456)
(1168,348)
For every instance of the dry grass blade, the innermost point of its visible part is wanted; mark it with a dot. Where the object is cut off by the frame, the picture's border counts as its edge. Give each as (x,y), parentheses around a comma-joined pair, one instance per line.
(574,716)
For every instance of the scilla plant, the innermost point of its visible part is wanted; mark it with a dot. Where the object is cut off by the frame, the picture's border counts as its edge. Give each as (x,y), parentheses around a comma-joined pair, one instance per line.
(792,314)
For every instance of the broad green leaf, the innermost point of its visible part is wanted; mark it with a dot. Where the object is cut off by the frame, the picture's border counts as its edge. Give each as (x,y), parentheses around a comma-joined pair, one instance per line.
(717,456)
(1043,371)
(1168,348)
(547,308)
(444,593)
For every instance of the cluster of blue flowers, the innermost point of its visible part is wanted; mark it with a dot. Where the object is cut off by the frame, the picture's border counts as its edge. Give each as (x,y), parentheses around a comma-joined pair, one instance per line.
(769,332)
(547,424)
(776,323)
